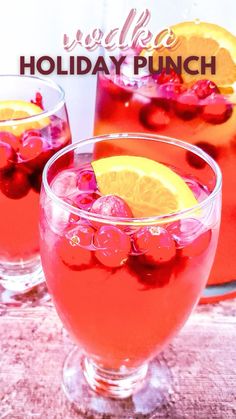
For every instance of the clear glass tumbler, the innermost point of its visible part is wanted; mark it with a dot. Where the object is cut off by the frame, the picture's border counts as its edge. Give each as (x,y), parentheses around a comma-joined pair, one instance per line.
(121,302)
(33,126)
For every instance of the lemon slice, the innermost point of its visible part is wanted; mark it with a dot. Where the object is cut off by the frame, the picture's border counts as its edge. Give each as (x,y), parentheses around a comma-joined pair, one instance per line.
(202,39)
(148,187)
(14,110)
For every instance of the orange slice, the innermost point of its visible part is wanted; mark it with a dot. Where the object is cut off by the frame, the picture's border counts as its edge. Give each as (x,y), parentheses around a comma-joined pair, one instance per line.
(149,188)
(202,39)
(16,110)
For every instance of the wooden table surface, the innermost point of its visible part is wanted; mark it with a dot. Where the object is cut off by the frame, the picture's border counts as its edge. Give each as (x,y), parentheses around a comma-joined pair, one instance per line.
(202,361)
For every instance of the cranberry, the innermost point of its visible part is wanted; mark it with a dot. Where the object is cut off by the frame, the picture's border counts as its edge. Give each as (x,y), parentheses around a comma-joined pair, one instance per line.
(7,156)
(85,200)
(208,148)
(194,160)
(111,206)
(113,246)
(153,117)
(152,276)
(87,181)
(35,152)
(31,148)
(170,77)
(118,93)
(155,243)
(81,235)
(38,100)
(36,181)
(187,106)
(72,255)
(216,109)
(204,88)
(15,185)
(197,246)
(12,140)
(197,161)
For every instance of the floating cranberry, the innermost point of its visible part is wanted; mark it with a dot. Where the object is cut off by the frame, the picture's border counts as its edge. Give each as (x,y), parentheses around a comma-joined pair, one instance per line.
(36,181)
(113,246)
(111,206)
(87,180)
(31,148)
(155,243)
(197,161)
(204,88)
(208,148)
(15,185)
(187,106)
(12,140)
(72,255)
(81,235)
(7,156)
(198,246)
(216,109)
(38,100)
(117,92)
(34,152)
(151,276)
(85,200)
(154,117)
(170,77)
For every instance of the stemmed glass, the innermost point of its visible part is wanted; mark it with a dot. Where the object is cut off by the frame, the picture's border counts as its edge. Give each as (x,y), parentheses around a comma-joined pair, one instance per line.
(121,315)
(33,126)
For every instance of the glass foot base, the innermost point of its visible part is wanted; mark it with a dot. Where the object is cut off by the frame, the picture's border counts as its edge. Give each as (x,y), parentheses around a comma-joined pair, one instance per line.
(125,394)
(23,285)
(36,296)
(214,293)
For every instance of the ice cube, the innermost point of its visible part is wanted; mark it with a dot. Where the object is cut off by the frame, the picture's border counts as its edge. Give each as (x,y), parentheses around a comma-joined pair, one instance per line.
(57,217)
(65,183)
(127,78)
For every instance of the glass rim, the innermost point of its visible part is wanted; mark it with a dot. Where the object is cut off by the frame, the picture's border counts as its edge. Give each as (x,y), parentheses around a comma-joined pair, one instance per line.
(174,216)
(231,96)
(45,113)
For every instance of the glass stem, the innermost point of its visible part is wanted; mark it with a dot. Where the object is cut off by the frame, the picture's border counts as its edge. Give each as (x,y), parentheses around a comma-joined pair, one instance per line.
(116,384)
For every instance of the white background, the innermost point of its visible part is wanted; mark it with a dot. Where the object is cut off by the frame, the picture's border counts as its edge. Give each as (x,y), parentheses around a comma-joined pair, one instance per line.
(36,27)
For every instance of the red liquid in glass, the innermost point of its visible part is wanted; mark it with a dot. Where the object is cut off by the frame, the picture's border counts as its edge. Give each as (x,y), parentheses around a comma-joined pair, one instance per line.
(157,109)
(121,315)
(20,181)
